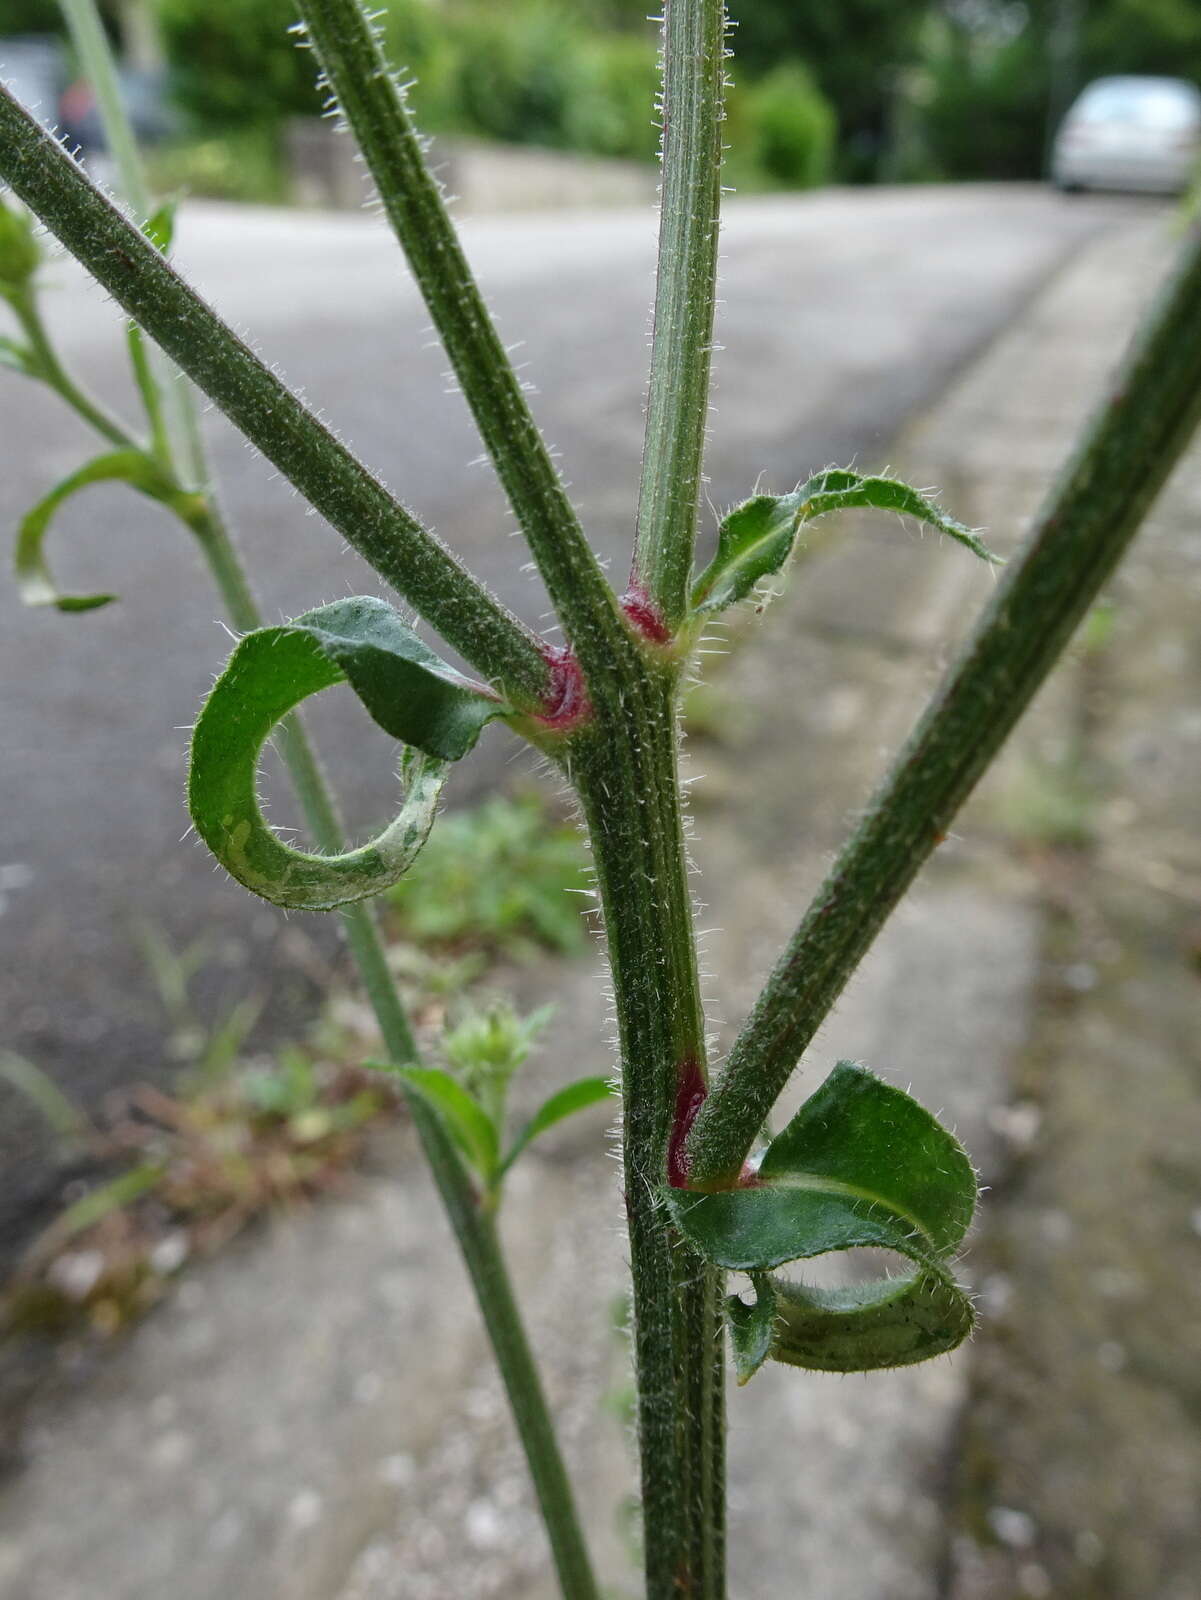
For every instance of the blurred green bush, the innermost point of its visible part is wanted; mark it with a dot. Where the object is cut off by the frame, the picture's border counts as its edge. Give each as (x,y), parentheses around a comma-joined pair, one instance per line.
(244,164)
(985,102)
(541,72)
(233,63)
(788,128)
(863,89)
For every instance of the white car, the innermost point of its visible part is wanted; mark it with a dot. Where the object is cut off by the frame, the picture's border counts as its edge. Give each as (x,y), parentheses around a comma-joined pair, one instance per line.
(1130,133)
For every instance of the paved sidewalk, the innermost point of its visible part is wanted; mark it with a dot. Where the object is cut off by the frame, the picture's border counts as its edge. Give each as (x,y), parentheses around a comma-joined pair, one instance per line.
(313,1417)
(1080,1470)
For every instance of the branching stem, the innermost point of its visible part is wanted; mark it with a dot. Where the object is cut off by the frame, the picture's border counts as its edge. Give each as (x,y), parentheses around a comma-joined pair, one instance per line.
(624,769)
(473,1226)
(51,370)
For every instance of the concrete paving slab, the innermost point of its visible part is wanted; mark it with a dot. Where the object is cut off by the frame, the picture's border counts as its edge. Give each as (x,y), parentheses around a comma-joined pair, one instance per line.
(1079,1474)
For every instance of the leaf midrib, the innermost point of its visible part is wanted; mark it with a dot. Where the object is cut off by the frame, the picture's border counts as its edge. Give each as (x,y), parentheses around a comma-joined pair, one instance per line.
(818,1183)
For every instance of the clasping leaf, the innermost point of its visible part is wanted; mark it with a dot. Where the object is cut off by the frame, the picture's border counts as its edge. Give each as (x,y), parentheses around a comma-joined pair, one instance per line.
(407,689)
(757,537)
(861,1164)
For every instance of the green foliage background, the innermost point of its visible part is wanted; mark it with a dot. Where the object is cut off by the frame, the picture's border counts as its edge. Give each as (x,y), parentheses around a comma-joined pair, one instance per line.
(859,90)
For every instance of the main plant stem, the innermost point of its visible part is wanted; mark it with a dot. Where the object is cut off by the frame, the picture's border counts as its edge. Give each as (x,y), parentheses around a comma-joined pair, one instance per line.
(624,769)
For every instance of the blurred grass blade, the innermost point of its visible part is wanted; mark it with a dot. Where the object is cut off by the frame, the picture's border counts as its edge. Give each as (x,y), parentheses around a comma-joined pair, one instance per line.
(224,1044)
(159,229)
(63,1117)
(92,1208)
(564,1103)
(757,537)
(18,358)
(171,970)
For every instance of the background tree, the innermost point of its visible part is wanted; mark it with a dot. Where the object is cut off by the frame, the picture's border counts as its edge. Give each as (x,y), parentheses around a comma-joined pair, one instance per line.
(854,50)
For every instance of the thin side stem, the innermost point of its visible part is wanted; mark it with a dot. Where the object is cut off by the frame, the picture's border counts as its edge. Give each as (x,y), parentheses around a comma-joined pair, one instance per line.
(472,1224)
(1123,460)
(148,387)
(120,257)
(366,92)
(166,400)
(52,371)
(678,399)
(624,768)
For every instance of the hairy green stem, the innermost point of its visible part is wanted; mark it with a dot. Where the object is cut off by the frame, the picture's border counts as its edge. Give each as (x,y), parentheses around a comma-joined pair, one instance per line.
(473,1223)
(624,768)
(367,93)
(120,257)
(678,398)
(1122,461)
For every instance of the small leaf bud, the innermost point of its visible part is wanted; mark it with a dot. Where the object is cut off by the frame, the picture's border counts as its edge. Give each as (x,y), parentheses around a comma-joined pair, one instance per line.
(20,255)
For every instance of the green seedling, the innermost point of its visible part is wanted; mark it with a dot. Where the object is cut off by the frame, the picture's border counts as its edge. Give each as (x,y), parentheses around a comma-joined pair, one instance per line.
(484,1051)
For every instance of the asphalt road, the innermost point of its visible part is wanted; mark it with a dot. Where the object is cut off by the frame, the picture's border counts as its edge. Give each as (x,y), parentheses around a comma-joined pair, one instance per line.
(842,313)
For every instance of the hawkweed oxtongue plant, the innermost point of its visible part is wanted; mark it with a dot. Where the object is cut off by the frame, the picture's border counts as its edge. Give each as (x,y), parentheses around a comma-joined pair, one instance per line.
(861,1164)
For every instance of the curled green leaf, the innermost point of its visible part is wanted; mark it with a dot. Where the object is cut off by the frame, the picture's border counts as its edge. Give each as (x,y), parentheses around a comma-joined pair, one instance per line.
(36,586)
(861,1164)
(757,537)
(862,1327)
(406,688)
(752,1327)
